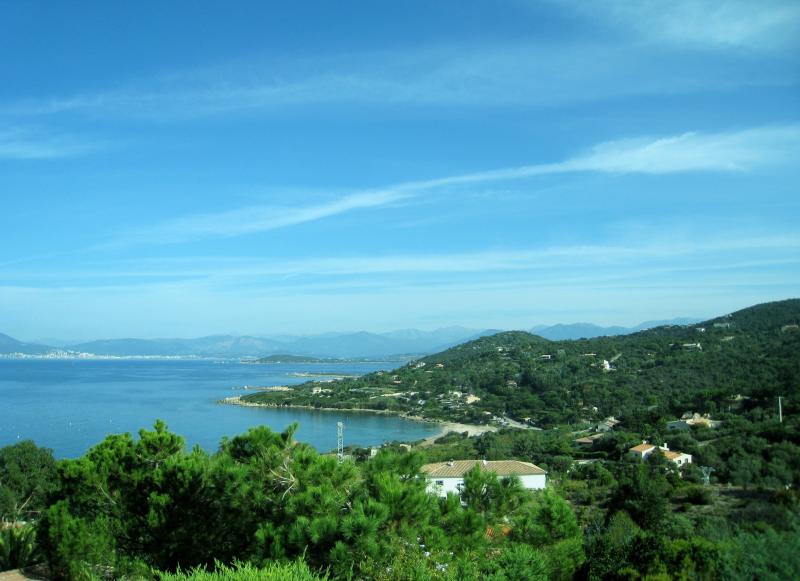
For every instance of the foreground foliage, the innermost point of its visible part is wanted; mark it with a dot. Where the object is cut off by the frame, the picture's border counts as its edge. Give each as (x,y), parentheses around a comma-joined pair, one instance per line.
(18,547)
(267,507)
(27,475)
(130,506)
(298,571)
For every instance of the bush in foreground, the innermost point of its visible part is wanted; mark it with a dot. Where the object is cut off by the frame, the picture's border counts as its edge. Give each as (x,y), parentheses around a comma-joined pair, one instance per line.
(297,571)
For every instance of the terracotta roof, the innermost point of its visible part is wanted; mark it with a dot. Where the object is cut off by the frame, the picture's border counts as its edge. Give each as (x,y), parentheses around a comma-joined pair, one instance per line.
(590,439)
(670,455)
(642,448)
(457,468)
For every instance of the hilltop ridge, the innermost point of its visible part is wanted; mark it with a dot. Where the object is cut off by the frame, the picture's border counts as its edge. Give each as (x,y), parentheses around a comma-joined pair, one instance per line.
(335,345)
(524,377)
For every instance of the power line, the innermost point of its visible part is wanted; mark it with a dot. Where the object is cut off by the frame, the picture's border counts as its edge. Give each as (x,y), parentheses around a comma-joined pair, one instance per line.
(340,441)
(707,470)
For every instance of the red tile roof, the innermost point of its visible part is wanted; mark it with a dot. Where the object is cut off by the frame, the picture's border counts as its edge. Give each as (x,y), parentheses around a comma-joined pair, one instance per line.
(642,448)
(457,468)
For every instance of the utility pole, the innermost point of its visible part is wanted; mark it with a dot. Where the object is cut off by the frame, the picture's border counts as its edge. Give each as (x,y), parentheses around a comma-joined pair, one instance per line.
(780,409)
(340,442)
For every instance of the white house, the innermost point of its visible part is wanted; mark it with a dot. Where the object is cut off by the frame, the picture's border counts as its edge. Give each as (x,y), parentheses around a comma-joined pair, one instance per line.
(643,450)
(444,477)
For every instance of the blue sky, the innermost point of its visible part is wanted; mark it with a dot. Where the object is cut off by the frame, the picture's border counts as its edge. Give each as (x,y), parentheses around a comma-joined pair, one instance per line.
(182,169)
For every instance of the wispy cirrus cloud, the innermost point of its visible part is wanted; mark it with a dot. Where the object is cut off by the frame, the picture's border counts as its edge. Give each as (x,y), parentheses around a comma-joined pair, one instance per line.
(599,255)
(253,219)
(763,25)
(516,73)
(725,151)
(577,66)
(612,258)
(434,77)
(33,143)
(485,287)
(744,150)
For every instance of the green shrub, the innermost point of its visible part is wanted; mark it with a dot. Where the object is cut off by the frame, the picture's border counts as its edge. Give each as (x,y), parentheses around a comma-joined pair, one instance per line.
(698,495)
(76,549)
(519,562)
(17,547)
(297,571)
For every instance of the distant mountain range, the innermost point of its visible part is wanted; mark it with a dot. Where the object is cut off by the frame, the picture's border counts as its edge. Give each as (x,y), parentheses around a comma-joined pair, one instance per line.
(11,345)
(339,345)
(563,332)
(360,344)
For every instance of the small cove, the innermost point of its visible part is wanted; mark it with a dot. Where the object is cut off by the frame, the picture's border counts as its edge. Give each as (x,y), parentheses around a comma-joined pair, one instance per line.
(70,405)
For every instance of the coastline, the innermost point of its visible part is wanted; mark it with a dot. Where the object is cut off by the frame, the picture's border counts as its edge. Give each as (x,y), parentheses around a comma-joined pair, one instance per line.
(444,426)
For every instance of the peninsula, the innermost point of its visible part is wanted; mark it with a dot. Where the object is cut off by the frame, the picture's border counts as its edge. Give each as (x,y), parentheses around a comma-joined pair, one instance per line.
(287,358)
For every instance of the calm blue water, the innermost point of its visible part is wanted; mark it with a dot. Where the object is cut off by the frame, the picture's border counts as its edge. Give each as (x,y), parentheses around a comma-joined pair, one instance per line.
(71,405)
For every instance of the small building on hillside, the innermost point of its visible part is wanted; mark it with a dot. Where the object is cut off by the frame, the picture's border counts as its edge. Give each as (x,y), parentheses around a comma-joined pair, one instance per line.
(608,424)
(444,477)
(590,441)
(643,450)
(689,419)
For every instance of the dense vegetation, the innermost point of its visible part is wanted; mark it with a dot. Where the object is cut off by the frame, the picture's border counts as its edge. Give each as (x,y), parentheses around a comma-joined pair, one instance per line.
(266,507)
(297,571)
(702,367)
(642,518)
(133,506)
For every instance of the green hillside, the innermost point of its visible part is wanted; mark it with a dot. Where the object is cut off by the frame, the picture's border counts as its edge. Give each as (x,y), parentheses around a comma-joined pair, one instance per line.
(754,352)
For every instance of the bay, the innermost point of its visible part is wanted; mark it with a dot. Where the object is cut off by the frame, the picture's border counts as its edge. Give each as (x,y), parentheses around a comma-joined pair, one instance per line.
(71,405)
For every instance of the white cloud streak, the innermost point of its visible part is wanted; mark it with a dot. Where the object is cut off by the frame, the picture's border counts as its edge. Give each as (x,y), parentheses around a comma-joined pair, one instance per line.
(744,150)
(566,70)
(735,252)
(254,219)
(630,279)
(718,24)
(31,144)
(194,308)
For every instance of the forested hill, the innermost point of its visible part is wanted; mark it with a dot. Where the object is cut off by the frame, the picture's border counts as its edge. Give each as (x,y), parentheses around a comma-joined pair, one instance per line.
(703,367)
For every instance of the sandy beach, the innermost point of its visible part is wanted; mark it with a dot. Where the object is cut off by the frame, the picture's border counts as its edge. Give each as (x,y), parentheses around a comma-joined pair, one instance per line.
(447,427)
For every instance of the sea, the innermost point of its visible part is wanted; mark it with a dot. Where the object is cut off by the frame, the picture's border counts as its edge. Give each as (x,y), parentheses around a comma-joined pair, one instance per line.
(69,405)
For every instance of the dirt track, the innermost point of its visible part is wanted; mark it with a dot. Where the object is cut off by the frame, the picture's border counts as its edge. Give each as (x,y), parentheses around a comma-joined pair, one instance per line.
(20,575)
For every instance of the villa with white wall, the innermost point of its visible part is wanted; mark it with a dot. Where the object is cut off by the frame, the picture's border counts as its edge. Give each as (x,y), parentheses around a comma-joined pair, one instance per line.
(444,477)
(643,450)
